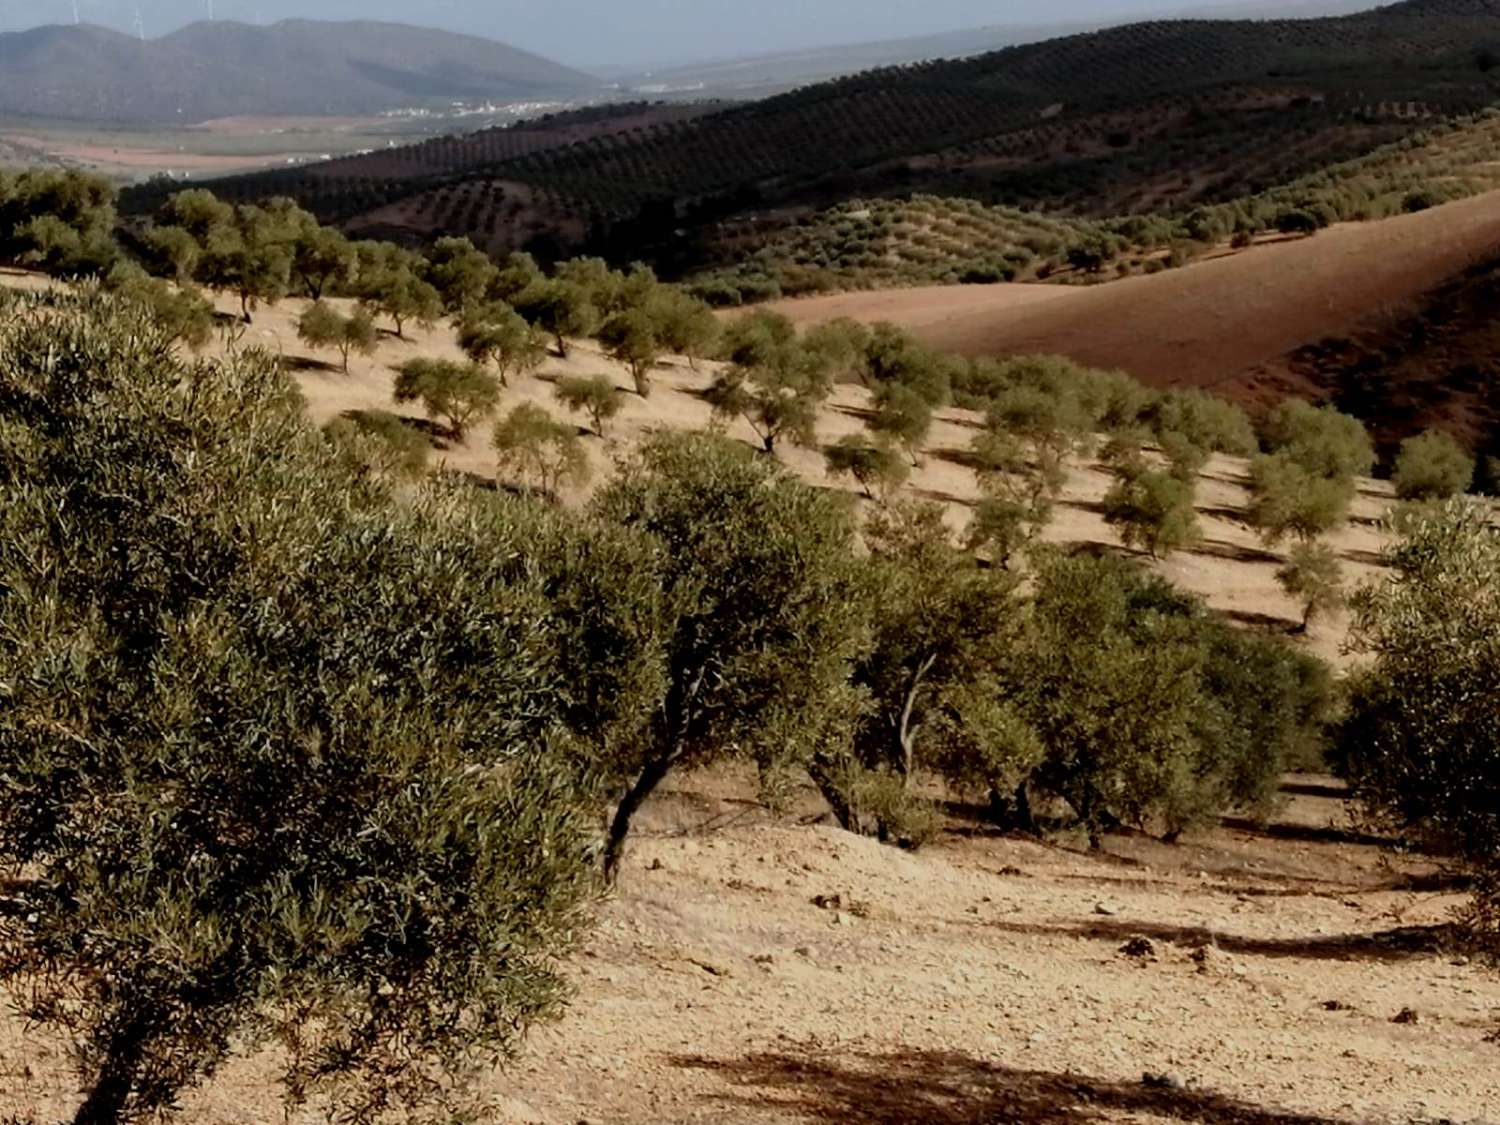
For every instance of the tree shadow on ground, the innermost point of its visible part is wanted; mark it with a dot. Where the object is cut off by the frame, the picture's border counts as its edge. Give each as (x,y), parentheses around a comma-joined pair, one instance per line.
(951,1088)
(1309,833)
(1228,515)
(1266,621)
(1333,790)
(439,436)
(308,363)
(1232,552)
(1397,944)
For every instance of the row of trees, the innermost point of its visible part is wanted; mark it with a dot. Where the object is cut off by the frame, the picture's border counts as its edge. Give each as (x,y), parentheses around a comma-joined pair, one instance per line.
(296,753)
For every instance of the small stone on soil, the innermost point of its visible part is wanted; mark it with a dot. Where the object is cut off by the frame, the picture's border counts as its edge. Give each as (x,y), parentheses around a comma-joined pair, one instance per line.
(1139,947)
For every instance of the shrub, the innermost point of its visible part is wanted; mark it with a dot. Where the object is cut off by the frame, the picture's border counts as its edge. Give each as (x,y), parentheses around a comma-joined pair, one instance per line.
(1420,745)
(1432,466)
(458,393)
(276,748)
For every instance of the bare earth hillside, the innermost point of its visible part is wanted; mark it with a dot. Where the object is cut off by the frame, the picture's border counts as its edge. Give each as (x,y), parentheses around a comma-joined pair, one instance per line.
(982,979)
(1230,323)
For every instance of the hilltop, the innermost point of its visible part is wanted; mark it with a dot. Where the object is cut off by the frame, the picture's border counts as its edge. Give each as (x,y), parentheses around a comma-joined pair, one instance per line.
(298,67)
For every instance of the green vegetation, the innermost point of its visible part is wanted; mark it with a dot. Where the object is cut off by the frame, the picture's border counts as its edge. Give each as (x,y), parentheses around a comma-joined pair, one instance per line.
(496,334)
(1420,745)
(875,465)
(381,442)
(1152,510)
(759,610)
(324,327)
(458,394)
(1432,466)
(1314,578)
(1304,485)
(278,747)
(595,396)
(297,646)
(538,451)
(773,380)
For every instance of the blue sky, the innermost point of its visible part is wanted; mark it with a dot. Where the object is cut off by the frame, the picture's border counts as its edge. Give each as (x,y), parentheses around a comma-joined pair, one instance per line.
(597,32)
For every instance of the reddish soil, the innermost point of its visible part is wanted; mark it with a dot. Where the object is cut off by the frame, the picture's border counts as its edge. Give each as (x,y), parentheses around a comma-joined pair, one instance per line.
(1229,323)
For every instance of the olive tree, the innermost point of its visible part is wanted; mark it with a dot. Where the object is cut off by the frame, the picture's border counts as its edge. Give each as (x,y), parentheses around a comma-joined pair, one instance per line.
(633,338)
(389,281)
(1287,498)
(380,442)
(457,393)
(277,747)
(938,616)
(595,396)
(875,465)
(903,416)
(761,609)
(1314,579)
(1432,466)
(323,326)
(496,334)
(1152,510)
(776,385)
(462,274)
(1111,681)
(180,309)
(1018,486)
(1420,744)
(539,451)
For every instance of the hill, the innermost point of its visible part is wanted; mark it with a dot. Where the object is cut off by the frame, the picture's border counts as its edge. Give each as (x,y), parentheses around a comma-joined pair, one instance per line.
(297,67)
(1391,320)
(1153,117)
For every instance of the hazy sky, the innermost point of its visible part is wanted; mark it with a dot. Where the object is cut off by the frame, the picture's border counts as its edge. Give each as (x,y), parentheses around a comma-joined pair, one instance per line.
(598,32)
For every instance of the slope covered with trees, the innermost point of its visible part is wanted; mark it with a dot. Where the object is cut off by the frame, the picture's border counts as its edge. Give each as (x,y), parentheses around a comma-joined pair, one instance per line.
(1155,117)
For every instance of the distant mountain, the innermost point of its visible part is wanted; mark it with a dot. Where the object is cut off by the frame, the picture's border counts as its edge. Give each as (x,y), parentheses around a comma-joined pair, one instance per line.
(221,69)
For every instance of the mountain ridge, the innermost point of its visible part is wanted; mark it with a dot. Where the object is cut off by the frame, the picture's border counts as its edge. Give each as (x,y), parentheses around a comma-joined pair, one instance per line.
(224,68)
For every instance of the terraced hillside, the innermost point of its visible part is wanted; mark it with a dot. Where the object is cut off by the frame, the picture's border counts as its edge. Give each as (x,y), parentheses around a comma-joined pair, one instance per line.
(1151,117)
(441,184)
(930,239)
